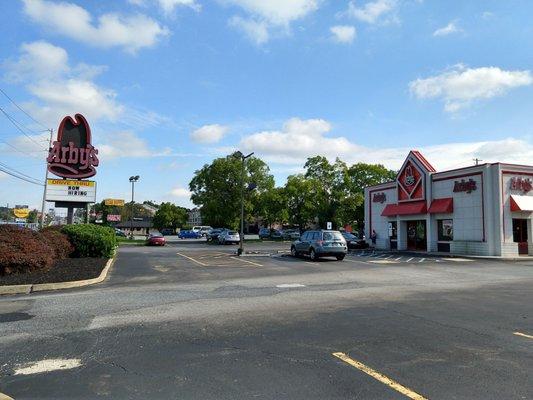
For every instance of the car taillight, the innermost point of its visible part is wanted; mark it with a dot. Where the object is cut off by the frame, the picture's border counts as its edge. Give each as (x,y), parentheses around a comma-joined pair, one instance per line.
(320,242)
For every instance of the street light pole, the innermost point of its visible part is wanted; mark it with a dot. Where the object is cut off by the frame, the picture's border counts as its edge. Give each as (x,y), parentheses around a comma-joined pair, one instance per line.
(133,179)
(243,158)
(43,205)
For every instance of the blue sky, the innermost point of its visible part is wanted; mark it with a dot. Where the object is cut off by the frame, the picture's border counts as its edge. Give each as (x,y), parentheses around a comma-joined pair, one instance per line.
(167,85)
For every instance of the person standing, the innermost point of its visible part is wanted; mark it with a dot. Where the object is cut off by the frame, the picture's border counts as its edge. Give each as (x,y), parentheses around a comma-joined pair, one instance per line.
(373,237)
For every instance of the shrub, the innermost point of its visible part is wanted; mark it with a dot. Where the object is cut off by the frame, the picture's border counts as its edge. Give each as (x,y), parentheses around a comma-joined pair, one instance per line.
(91,240)
(58,242)
(23,250)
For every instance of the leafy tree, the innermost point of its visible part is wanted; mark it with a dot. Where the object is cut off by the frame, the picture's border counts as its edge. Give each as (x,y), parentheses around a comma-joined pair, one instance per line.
(170,216)
(32,216)
(272,206)
(301,196)
(125,212)
(216,188)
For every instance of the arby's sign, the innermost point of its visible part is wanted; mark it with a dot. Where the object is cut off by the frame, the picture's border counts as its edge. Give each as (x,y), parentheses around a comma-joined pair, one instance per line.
(72,154)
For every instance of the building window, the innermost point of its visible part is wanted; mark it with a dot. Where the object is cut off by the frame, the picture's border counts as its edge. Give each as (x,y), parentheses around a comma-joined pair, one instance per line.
(445,227)
(393,230)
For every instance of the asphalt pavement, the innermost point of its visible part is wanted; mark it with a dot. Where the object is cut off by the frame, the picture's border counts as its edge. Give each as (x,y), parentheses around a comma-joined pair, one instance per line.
(193,321)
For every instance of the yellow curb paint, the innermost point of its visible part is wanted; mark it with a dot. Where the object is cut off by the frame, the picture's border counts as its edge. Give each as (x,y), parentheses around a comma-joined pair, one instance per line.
(380,377)
(193,260)
(5,397)
(523,335)
(246,261)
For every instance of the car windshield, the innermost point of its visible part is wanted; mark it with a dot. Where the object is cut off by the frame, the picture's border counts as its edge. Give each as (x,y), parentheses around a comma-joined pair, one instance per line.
(333,236)
(349,236)
(231,233)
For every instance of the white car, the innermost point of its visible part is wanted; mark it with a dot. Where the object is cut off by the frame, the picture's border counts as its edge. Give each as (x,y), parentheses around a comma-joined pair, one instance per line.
(229,237)
(202,230)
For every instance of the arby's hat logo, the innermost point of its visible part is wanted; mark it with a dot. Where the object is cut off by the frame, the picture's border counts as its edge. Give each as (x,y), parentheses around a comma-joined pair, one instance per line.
(72,154)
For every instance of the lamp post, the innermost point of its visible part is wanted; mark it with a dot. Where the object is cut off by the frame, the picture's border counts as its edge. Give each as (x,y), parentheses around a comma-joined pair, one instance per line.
(133,179)
(243,158)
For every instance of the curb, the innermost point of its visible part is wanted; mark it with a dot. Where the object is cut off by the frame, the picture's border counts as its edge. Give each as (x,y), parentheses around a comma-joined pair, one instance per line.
(5,397)
(40,287)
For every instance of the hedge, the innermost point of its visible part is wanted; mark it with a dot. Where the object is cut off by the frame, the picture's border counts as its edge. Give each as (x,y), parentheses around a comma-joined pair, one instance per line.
(91,240)
(23,250)
(58,242)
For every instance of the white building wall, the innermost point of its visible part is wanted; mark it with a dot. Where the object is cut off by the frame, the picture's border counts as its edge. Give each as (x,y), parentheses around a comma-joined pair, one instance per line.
(379,223)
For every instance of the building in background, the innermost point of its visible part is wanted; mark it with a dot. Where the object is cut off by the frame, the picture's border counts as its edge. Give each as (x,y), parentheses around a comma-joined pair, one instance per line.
(195,217)
(485,209)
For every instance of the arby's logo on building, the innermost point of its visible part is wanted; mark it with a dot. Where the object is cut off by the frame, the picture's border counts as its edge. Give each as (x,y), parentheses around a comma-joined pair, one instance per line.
(465,186)
(379,198)
(522,184)
(72,154)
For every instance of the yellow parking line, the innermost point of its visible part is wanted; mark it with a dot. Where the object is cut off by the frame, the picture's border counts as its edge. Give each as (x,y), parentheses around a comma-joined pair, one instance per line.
(192,259)
(246,261)
(523,335)
(380,377)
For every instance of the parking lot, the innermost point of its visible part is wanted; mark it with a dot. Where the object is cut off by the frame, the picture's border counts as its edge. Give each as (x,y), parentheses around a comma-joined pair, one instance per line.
(192,320)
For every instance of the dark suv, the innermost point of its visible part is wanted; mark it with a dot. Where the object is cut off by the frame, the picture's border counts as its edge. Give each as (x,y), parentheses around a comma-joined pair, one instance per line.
(320,243)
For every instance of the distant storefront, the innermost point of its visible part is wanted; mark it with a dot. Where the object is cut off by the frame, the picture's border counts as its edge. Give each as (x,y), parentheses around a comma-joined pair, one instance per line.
(485,209)
(136,227)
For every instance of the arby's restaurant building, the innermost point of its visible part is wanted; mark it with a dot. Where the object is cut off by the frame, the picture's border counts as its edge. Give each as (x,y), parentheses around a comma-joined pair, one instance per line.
(484,209)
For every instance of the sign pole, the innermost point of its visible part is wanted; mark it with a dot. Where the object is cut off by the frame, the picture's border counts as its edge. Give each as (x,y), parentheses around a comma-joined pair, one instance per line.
(45,183)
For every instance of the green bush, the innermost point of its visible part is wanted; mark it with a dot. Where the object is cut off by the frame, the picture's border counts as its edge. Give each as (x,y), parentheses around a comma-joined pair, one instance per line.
(91,240)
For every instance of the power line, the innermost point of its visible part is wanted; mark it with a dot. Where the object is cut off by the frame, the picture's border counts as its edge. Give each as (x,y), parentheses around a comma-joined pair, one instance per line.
(20,177)
(18,150)
(17,172)
(21,109)
(18,126)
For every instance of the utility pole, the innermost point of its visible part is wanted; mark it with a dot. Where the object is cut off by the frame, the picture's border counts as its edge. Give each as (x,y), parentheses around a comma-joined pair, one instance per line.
(46,181)
(477,160)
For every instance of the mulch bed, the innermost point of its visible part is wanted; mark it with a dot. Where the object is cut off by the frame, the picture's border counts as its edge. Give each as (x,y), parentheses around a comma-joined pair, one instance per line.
(70,269)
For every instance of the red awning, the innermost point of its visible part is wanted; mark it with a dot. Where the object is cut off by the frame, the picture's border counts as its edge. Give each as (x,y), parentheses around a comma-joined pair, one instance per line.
(444,206)
(415,207)
(521,203)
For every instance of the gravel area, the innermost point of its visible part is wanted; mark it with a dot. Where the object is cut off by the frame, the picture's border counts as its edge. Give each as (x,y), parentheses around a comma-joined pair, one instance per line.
(70,269)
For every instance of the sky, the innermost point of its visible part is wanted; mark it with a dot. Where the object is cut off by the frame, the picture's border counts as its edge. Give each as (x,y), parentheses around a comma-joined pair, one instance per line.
(169,85)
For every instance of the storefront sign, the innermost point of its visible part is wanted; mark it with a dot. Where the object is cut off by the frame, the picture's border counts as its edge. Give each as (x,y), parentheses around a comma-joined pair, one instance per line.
(68,190)
(379,198)
(72,155)
(114,202)
(523,184)
(21,212)
(465,186)
(113,217)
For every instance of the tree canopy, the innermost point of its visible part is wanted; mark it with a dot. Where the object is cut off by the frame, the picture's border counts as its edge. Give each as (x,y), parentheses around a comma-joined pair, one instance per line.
(170,216)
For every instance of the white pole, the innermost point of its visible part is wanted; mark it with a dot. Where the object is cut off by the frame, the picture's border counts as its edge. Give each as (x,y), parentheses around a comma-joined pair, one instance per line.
(45,182)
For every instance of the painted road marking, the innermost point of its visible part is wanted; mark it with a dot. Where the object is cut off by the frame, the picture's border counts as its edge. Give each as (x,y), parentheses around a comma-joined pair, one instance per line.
(5,397)
(523,335)
(409,260)
(289,285)
(384,261)
(460,259)
(247,261)
(380,377)
(53,364)
(422,260)
(193,260)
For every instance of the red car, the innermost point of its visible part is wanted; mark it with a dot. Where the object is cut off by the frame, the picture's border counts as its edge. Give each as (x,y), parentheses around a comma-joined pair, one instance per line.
(155,240)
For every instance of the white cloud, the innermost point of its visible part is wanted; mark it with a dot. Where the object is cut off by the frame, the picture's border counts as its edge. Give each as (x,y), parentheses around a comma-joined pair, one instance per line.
(299,139)
(268,15)
(60,89)
(169,6)
(180,192)
(447,30)
(131,33)
(343,33)
(209,133)
(127,144)
(256,31)
(372,11)
(460,86)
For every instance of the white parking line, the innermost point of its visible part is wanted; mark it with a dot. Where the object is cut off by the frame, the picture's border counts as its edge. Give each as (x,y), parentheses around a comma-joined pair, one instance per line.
(421,260)
(409,260)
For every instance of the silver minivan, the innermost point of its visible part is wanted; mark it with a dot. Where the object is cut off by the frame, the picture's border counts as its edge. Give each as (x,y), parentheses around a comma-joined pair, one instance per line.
(320,243)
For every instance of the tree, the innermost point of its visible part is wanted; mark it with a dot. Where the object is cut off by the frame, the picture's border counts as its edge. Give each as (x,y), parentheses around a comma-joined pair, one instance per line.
(272,206)
(170,216)
(32,216)
(302,195)
(216,189)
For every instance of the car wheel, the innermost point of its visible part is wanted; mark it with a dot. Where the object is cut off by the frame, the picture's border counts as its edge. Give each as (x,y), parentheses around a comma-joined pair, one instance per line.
(294,253)
(313,255)
(340,258)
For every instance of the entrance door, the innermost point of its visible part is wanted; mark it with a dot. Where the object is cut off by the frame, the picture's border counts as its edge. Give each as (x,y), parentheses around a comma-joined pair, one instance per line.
(416,235)
(520,235)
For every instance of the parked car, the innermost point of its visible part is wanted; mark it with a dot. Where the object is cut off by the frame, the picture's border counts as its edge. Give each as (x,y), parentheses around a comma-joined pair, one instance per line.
(264,233)
(212,235)
(229,237)
(320,243)
(291,234)
(353,241)
(167,232)
(155,239)
(189,234)
(120,233)
(276,234)
(202,229)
